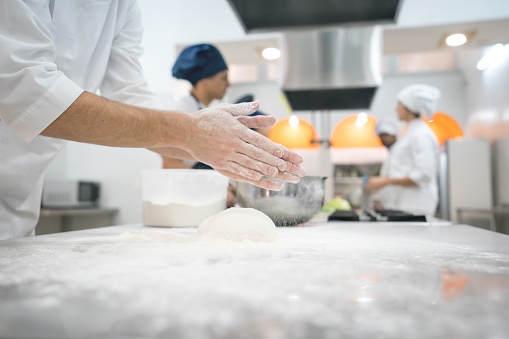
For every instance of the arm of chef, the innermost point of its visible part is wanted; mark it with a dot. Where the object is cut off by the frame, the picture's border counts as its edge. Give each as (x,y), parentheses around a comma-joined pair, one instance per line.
(33,93)
(424,153)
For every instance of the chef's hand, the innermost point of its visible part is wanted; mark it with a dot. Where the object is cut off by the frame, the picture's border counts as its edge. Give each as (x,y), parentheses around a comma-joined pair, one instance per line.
(220,136)
(375,184)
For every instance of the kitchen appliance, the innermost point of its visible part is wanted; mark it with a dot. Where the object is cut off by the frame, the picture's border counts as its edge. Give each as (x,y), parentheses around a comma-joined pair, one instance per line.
(465,177)
(381,215)
(182,197)
(70,194)
(331,51)
(294,204)
(331,69)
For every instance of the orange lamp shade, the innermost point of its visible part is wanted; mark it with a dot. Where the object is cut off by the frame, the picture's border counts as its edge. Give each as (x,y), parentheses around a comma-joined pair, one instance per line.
(294,132)
(444,126)
(356,130)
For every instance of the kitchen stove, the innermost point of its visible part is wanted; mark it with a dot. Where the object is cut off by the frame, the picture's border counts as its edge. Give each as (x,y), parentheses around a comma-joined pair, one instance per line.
(380,215)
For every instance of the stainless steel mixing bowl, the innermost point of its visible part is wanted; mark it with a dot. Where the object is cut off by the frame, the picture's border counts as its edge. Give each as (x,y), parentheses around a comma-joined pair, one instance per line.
(294,204)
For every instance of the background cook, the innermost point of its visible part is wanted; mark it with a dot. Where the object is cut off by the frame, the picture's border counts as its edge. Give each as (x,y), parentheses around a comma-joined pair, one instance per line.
(413,159)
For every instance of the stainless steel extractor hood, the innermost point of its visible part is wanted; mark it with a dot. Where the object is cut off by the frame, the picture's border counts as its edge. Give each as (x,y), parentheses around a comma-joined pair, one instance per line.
(331,69)
(266,15)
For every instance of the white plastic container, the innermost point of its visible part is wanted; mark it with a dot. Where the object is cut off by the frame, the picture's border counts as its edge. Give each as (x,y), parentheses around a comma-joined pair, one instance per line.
(181,197)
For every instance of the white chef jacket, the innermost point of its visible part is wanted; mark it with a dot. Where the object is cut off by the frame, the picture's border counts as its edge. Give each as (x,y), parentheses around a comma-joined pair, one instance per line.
(414,155)
(384,195)
(188,103)
(50,52)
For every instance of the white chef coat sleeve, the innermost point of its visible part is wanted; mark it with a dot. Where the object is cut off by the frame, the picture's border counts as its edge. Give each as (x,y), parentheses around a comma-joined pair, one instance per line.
(124,80)
(424,159)
(33,92)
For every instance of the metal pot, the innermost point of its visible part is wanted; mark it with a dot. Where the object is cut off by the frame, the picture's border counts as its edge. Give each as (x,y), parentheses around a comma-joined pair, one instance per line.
(294,204)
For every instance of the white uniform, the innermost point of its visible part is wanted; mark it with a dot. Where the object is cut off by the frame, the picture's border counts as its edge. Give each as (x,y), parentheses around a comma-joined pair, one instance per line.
(414,155)
(188,104)
(51,51)
(384,195)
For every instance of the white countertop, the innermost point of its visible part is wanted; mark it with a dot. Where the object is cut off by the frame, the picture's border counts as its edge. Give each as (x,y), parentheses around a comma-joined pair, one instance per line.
(321,280)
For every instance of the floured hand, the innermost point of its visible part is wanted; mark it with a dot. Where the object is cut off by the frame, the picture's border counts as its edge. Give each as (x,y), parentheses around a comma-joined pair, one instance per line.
(220,136)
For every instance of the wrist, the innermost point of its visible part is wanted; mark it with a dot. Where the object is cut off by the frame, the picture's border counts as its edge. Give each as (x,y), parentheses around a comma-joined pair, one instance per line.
(173,129)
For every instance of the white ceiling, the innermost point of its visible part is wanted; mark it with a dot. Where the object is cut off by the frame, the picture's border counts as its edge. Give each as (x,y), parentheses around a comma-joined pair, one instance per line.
(418,39)
(416,13)
(420,27)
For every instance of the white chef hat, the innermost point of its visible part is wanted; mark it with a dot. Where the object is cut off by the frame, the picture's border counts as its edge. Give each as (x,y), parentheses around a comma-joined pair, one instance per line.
(386,127)
(420,99)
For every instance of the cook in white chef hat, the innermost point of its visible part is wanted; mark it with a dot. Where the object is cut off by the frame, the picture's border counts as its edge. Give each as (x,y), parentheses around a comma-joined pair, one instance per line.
(420,99)
(387,127)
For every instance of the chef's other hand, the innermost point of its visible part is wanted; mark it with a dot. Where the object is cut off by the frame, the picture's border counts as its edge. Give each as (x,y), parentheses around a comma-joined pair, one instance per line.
(258,121)
(375,184)
(221,140)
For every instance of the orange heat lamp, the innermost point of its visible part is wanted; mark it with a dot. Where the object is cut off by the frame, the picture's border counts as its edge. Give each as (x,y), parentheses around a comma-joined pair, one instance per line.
(294,132)
(444,126)
(356,130)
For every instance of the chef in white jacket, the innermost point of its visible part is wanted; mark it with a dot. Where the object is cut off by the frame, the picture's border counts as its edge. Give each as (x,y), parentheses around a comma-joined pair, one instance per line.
(388,134)
(54,54)
(412,163)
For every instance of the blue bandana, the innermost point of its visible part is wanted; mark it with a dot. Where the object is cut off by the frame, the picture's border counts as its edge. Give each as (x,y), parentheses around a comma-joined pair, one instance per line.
(198,62)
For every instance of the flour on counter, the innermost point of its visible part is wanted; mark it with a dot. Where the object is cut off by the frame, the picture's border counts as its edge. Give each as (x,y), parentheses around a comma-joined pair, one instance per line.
(152,236)
(323,282)
(179,215)
(237,224)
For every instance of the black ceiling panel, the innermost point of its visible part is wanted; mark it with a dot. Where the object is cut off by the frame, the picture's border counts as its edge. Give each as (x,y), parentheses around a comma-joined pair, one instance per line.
(257,15)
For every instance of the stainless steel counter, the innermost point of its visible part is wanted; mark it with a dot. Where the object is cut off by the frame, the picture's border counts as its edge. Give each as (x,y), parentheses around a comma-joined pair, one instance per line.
(322,280)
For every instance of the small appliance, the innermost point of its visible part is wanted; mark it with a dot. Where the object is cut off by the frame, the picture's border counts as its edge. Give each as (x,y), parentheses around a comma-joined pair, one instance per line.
(70,194)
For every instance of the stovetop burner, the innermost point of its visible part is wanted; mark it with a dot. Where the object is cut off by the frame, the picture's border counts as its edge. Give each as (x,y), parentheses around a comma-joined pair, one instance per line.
(380,215)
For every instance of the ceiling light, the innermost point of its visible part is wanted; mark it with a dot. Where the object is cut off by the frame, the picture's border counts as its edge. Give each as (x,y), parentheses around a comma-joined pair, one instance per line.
(293,121)
(362,119)
(271,53)
(494,55)
(456,39)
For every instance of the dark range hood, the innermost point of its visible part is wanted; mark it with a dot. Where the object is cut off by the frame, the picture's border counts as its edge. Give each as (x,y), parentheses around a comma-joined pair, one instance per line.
(330,99)
(276,15)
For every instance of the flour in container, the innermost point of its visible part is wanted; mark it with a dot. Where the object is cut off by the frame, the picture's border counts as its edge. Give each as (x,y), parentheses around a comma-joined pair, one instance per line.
(237,224)
(179,215)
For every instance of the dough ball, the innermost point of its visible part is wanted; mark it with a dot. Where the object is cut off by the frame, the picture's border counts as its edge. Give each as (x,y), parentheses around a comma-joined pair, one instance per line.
(237,224)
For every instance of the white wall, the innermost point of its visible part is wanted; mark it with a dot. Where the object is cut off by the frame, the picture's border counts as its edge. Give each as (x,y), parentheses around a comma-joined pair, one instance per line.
(118,170)
(439,12)
(488,115)
(487,95)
